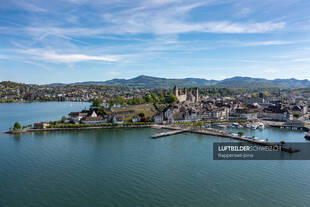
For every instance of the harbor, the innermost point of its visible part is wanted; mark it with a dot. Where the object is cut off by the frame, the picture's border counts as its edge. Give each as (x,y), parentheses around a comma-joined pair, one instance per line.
(216,133)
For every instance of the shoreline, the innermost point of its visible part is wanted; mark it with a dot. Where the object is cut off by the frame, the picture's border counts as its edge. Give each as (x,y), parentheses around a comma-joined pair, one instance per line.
(168,127)
(12,102)
(78,128)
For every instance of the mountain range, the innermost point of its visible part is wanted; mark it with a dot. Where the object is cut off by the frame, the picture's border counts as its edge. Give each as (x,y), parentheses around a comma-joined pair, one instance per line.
(234,82)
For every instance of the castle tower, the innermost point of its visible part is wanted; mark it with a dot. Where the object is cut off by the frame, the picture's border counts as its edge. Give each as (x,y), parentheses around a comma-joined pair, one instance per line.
(197,95)
(176,91)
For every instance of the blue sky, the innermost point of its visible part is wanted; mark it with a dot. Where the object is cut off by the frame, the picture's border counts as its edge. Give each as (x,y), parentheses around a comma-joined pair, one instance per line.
(81,40)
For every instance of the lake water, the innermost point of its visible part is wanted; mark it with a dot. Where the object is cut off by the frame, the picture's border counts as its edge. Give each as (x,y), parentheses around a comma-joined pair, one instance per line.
(127,168)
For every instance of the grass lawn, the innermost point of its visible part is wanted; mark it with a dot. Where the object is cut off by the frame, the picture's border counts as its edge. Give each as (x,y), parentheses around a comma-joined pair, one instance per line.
(148,109)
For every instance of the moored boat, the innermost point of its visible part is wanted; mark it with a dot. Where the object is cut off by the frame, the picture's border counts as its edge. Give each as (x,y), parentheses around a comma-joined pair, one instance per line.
(261,125)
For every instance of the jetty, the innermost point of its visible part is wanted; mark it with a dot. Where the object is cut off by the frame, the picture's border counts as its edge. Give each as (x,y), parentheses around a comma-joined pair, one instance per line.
(164,134)
(211,132)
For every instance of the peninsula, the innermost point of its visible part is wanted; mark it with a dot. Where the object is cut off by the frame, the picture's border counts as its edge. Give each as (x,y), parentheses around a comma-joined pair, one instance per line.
(195,110)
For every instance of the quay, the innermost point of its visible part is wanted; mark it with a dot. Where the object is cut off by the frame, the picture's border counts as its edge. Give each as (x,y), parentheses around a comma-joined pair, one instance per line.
(178,130)
(293,124)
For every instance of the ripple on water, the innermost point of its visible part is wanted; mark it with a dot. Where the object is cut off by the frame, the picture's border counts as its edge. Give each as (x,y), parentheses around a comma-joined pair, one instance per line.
(127,168)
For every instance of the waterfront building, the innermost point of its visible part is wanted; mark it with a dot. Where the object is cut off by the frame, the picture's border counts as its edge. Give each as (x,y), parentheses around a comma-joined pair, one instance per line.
(94,120)
(77,116)
(40,125)
(158,118)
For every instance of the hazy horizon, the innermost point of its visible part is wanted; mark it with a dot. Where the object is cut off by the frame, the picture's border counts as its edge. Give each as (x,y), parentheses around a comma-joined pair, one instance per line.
(70,82)
(83,40)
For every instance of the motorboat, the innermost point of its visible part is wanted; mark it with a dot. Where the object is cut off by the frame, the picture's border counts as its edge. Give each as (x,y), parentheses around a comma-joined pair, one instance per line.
(222,126)
(261,125)
(248,125)
(236,125)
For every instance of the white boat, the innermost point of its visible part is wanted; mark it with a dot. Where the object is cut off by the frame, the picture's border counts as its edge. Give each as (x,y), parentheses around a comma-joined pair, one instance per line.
(236,125)
(248,125)
(261,125)
(254,126)
(222,126)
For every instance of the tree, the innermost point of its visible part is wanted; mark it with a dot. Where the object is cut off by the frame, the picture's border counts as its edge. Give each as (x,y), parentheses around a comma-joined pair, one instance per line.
(240,134)
(148,98)
(111,103)
(138,100)
(162,98)
(17,126)
(199,124)
(96,103)
(298,115)
(266,94)
(101,111)
(154,97)
(120,100)
(63,119)
(171,98)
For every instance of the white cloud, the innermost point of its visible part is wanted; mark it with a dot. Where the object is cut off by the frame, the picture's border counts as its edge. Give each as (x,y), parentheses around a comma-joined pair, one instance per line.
(257,43)
(52,56)
(231,27)
(301,60)
(172,20)
(244,12)
(160,26)
(29,6)
(113,73)
(161,2)
(267,43)
(4,57)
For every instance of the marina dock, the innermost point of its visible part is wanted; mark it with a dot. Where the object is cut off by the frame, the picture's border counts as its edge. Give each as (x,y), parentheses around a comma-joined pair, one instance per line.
(178,130)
